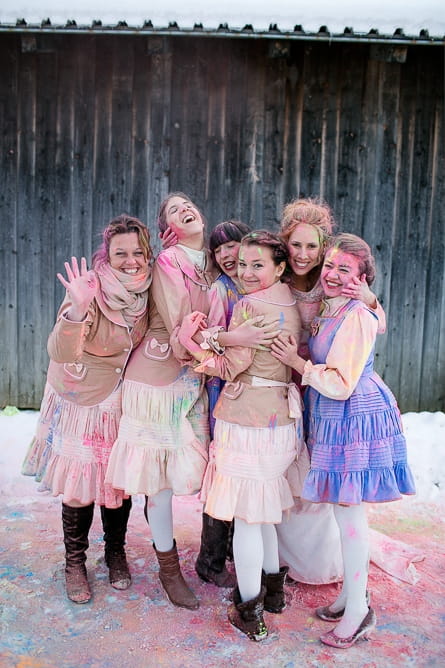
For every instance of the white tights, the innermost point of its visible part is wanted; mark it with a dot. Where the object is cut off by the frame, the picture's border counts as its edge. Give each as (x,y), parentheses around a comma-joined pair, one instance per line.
(354,535)
(159,514)
(255,548)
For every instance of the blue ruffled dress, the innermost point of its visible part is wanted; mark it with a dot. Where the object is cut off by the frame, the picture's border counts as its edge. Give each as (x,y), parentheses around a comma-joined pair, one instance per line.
(357,448)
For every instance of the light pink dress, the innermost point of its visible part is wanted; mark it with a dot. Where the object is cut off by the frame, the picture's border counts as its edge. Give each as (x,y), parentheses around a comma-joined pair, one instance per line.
(81,407)
(164,430)
(258,429)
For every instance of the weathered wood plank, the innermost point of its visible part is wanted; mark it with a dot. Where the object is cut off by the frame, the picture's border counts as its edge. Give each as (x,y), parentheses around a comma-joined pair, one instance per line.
(100,124)
(9,294)
(103,204)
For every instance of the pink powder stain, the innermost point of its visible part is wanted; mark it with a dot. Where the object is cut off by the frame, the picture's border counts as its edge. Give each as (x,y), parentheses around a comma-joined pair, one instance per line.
(352,532)
(357,575)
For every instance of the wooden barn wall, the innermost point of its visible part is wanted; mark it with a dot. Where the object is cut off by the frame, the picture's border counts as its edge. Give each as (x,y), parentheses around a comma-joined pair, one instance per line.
(95,125)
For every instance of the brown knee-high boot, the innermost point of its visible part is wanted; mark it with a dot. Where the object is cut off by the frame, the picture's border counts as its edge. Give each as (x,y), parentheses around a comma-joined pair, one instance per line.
(114,523)
(171,579)
(76,526)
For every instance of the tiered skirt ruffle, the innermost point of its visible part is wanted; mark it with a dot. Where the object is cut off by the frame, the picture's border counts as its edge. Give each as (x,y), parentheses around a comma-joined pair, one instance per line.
(250,472)
(78,446)
(39,451)
(163,437)
(357,447)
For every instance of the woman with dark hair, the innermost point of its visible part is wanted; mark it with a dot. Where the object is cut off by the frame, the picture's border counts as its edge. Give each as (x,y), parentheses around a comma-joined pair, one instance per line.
(224,244)
(256,432)
(102,319)
(352,425)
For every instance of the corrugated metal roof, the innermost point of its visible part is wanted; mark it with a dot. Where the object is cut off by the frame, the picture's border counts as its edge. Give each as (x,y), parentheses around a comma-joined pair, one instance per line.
(346,20)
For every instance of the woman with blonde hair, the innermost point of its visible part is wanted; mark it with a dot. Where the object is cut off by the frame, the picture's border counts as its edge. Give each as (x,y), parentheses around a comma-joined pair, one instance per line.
(102,319)
(308,536)
(353,428)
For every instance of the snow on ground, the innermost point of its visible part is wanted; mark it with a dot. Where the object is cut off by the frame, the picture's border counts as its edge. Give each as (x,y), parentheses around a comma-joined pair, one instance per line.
(139,628)
(425,434)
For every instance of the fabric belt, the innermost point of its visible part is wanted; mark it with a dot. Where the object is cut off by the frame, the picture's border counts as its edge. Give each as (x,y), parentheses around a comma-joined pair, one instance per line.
(293,395)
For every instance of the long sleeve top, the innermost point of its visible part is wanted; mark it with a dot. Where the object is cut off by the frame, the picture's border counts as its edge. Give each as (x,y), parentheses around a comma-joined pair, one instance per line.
(88,358)
(178,287)
(241,400)
(348,354)
(309,304)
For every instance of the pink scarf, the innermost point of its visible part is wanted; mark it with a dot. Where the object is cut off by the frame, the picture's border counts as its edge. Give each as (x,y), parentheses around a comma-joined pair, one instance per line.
(123,292)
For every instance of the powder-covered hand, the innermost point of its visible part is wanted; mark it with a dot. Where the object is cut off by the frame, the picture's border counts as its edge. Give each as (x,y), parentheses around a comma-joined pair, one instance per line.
(81,285)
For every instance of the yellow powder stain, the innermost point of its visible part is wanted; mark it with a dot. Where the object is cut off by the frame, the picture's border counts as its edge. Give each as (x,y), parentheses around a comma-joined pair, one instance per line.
(29,662)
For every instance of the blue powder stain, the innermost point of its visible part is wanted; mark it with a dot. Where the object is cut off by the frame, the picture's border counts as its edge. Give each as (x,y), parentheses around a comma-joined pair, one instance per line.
(16,514)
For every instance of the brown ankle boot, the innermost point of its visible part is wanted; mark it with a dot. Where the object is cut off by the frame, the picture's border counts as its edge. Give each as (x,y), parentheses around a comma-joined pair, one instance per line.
(248,616)
(274,600)
(76,526)
(171,579)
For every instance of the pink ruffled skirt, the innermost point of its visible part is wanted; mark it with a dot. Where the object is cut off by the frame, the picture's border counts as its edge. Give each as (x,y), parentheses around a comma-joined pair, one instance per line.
(80,439)
(39,450)
(163,437)
(250,472)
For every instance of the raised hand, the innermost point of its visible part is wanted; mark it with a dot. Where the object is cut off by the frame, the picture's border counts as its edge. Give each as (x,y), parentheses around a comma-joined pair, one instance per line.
(358,288)
(168,238)
(81,285)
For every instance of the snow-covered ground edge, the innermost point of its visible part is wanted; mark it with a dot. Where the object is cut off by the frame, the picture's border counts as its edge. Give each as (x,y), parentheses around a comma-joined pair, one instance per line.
(425,435)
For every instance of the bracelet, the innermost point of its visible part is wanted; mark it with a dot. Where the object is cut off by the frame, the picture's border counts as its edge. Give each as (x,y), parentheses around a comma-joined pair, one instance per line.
(211,342)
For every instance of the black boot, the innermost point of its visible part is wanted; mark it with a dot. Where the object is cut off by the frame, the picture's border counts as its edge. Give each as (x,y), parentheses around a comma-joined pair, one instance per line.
(211,562)
(114,523)
(76,524)
(274,600)
(248,616)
